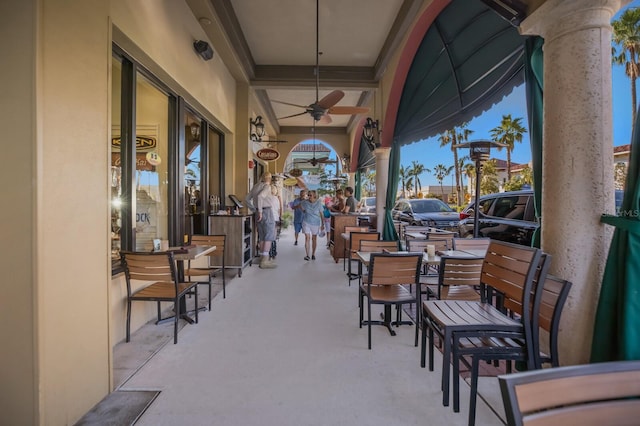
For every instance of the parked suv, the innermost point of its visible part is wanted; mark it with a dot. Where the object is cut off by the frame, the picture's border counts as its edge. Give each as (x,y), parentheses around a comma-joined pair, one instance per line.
(506,216)
(426,212)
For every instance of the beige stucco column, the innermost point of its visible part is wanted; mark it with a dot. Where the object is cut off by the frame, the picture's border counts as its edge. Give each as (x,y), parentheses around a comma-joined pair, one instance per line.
(577,155)
(382,177)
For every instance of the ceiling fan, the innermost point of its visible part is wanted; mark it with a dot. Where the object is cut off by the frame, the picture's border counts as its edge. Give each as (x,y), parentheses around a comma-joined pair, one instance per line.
(321,108)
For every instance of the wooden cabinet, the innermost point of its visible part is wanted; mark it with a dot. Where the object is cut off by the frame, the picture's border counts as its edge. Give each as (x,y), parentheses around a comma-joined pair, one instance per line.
(239,245)
(338,222)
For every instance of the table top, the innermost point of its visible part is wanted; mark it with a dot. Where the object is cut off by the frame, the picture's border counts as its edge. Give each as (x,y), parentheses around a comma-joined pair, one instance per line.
(190,253)
(364,257)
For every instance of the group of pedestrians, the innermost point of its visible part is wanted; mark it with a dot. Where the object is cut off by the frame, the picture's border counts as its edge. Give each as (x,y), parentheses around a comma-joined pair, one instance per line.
(311,216)
(308,217)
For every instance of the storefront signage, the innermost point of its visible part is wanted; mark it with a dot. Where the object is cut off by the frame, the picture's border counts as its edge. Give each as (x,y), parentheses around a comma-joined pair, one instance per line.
(153,158)
(290,182)
(268,154)
(141,162)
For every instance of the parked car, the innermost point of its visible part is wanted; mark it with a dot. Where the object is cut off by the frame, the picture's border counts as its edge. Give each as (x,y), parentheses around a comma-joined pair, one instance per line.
(426,212)
(505,216)
(368,205)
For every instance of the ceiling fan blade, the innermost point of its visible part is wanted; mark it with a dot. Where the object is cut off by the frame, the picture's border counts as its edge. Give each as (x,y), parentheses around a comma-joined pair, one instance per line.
(349,110)
(290,104)
(325,119)
(293,115)
(331,99)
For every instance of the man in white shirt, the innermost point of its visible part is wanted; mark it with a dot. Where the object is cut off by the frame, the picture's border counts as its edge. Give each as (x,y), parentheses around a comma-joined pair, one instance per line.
(258,201)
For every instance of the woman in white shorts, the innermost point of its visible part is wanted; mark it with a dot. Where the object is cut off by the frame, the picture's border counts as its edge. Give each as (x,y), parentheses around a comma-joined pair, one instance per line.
(312,223)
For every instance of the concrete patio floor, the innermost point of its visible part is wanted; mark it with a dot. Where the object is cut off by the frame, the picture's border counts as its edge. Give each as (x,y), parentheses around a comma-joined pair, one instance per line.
(284,348)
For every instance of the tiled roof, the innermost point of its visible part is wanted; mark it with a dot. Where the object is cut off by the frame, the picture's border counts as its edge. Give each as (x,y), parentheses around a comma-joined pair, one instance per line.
(622,149)
(309,147)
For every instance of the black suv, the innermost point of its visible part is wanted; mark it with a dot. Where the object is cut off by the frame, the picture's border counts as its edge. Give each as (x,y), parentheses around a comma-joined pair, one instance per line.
(506,216)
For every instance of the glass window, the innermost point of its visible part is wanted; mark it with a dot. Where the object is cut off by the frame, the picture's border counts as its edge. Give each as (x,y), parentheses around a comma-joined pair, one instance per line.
(510,207)
(152,164)
(116,163)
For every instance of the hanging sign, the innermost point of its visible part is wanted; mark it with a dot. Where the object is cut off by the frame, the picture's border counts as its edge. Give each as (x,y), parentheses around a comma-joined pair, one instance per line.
(268,154)
(290,182)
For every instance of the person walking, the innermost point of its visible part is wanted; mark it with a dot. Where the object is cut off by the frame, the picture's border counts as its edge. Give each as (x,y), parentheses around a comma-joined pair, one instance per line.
(258,201)
(326,213)
(312,223)
(298,213)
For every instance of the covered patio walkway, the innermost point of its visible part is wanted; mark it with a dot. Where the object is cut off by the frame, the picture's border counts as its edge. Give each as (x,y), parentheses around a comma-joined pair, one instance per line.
(284,348)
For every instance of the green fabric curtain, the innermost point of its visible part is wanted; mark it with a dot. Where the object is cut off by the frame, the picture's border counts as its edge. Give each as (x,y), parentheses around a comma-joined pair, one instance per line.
(358,189)
(389,232)
(616,333)
(533,72)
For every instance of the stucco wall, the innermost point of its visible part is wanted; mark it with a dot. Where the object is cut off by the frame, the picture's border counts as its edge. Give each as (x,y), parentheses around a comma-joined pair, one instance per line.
(18,122)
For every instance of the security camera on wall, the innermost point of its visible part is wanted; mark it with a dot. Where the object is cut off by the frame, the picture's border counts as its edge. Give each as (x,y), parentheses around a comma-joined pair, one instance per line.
(204,49)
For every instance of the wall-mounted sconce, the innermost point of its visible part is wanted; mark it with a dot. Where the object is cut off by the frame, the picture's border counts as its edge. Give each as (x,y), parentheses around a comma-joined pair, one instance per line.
(204,49)
(256,129)
(371,133)
(195,131)
(346,160)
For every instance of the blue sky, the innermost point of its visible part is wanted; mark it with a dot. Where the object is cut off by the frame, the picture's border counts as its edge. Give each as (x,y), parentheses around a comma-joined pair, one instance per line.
(429,153)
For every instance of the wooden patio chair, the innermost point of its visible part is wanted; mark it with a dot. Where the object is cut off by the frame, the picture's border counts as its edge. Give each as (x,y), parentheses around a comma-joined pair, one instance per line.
(349,230)
(606,393)
(548,304)
(159,269)
(387,276)
(510,270)
(354,245)
(215,262)
(471,243)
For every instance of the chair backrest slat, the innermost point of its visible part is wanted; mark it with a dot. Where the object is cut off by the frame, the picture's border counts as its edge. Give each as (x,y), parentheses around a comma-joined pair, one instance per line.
(210,240)
(393,269)
(378,246)
(356,237)
(601,393)
(461,272)
(471,243)
(155,267)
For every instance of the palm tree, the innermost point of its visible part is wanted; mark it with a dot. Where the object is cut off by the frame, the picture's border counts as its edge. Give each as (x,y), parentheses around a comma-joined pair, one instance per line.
(370,181)
(440,171)
(508,132)
(455,136)
(626,34)
(489,180)
(470,171)
(416,170)
(405,180)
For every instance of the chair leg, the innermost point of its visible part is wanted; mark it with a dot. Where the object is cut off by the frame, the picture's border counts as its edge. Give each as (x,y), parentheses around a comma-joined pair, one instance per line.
(369,322)
(455,361)
(128,319)
(195,289)
(158,308)
(423,343)
(473,397)
(211,285)
(360,307)
(224,283)
(176,305)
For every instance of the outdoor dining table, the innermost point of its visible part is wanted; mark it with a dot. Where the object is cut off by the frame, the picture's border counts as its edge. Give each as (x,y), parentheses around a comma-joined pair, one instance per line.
(180,254)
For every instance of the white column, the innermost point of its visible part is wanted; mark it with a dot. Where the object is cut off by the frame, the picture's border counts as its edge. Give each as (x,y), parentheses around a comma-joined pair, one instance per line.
(382,177)
(577,170)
